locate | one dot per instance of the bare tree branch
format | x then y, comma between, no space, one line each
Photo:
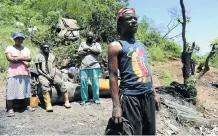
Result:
170,30
171,20
180,21
173,23
175,13
176,36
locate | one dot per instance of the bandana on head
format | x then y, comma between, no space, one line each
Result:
122,11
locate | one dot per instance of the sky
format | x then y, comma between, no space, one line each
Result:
202,29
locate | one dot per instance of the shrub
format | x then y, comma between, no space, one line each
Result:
156,55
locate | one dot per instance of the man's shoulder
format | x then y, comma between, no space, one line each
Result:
115,47
114,44
40,54
38,58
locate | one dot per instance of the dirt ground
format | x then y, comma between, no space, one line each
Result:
89,120
79,120
92,119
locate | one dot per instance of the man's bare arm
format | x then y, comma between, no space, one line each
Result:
54,67
96,49
113,67
113,52
41,72
156,98
82,51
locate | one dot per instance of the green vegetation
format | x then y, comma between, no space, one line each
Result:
166,78
158,47
156,56
96,15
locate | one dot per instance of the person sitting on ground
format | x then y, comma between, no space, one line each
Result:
18,76
46,67
135,98
90,67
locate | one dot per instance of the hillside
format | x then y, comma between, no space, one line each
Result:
207,94
92,119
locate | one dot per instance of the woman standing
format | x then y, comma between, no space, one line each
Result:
18,76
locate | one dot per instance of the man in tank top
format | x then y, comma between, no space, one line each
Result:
135,97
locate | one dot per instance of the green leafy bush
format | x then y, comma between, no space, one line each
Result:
171,48
156,55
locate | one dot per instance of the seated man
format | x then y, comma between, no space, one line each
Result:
45,65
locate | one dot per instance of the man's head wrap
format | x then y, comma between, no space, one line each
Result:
122,11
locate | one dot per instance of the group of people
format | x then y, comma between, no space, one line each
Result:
134,100
18,76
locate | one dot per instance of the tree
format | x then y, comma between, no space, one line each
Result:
96,15
187,50
189,86
102,20
204,67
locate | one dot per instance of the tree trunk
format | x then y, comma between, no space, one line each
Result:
186,60
186,55
183,25
206,63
